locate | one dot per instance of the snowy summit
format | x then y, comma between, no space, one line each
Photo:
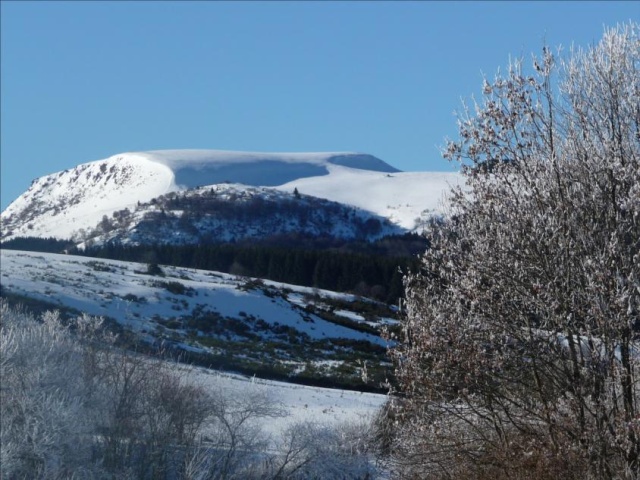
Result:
61,204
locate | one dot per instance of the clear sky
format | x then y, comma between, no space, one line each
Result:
82,81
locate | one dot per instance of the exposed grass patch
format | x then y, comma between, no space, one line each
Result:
100,266
177,288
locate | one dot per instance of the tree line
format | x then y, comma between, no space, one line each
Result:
368,275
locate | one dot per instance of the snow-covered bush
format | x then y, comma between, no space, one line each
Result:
519,354
74,405
46,428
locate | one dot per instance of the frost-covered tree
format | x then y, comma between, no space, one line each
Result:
44,421
519,353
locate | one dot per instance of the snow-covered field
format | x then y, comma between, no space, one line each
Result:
233,322
124,292
300,403
406,198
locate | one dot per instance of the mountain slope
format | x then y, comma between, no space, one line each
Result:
230,321
236,213
61,204
407,199
193,168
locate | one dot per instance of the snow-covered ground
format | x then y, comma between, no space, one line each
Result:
300,403
406,198
237,322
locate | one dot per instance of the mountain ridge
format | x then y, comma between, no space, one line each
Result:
61,204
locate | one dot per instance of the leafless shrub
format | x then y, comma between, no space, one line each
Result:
233,444
309,450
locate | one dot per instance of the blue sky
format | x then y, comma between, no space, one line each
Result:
81,81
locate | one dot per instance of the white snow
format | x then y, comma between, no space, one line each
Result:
300,403
406,198
78,198
72,281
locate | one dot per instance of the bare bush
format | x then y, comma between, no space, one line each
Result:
314,451
146,415
234,445
519,354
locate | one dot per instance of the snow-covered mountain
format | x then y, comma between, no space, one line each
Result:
62,204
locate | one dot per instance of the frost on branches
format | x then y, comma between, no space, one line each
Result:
74,405
520,349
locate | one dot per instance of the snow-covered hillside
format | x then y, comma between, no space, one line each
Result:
407,199
236,213
61,204
249,323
